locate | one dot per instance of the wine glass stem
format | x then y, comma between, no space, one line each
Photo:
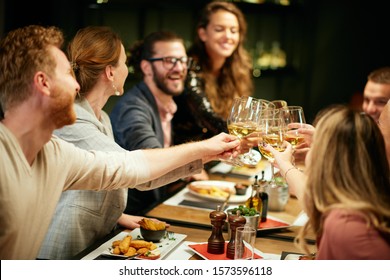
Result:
272,174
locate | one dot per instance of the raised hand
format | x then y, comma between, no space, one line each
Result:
220,146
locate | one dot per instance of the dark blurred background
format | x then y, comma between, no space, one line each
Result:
330,45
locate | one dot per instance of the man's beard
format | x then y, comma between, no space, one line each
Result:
62,111
159,81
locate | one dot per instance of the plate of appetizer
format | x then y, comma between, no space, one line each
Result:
217,191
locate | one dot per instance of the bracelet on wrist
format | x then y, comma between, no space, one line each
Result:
288,170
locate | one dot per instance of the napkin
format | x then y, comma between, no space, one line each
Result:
201,249
270,223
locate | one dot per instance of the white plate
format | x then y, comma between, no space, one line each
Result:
293,256
222,185
164,246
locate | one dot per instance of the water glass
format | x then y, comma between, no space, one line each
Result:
244,243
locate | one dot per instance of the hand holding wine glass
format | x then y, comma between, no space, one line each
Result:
242,123
272,131
294,119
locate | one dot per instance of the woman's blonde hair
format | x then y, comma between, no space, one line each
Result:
348,170
91,50
235,78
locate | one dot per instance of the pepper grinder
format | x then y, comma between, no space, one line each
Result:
216,242
235,221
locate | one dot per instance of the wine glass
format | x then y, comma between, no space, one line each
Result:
293,115
248,141
279,104
272,130
236,113
242,123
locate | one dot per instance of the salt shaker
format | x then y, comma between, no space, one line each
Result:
235,221
216,242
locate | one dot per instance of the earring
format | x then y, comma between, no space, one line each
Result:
116,92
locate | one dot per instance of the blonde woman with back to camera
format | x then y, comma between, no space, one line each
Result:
345,189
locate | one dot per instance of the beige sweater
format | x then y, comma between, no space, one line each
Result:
29,194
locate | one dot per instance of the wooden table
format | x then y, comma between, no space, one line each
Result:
199,218
195,223
190,217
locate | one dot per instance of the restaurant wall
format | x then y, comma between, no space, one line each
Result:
331,45
348,40
2,17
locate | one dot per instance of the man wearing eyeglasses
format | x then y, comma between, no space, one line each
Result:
142,117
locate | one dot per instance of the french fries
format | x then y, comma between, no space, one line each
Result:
129,247
151,224
211,190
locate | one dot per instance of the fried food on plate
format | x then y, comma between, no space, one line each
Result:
125,244
211,190
151,224
131,252
129,247
141,244
116,250
142,251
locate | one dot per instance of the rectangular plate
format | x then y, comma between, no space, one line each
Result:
164,246
218,184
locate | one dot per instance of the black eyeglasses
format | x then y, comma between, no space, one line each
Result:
169,61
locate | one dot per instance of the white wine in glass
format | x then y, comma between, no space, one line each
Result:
272,131
293,118
234,122
242,129
242,123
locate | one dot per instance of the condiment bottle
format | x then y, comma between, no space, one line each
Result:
216,242
254,201
264,198
235,221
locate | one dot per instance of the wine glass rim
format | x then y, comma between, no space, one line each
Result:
292,107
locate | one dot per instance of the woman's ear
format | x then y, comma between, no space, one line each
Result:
109,71
202,34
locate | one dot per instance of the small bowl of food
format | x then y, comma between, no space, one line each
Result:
152,230
152,235
241,189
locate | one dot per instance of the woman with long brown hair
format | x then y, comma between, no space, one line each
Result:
220,72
